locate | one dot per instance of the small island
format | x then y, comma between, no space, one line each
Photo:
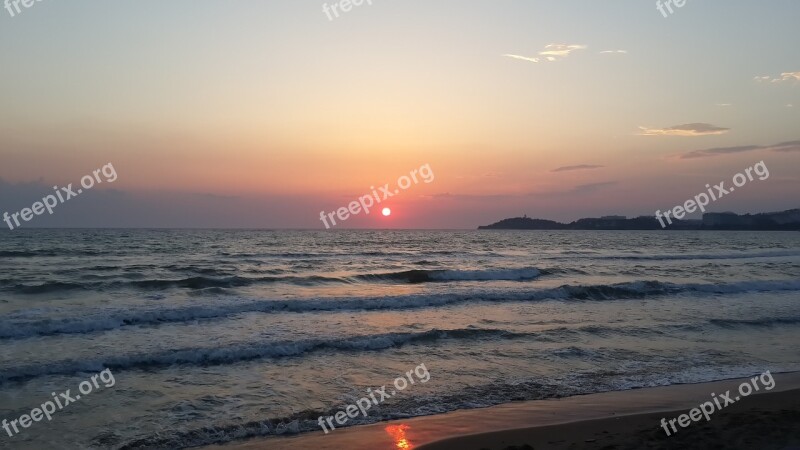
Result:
778,221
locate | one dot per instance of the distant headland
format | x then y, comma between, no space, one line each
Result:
785,220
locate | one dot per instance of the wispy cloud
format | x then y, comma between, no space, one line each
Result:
784,77
606,52
578,167
525,58
686,130
724,105
551,53
719,151
783,147
561,50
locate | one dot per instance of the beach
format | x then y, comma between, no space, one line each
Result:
612,420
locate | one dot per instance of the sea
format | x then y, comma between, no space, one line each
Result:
215,336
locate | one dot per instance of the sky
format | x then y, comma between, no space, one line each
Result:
263,114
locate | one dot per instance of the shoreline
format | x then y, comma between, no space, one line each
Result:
498,427
767,422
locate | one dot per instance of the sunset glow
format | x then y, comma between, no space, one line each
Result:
524,117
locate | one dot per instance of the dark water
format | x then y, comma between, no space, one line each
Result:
214,336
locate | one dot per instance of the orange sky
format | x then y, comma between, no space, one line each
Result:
281,106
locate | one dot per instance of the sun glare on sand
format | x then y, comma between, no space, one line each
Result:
387,212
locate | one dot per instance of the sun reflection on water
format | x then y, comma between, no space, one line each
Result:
398,434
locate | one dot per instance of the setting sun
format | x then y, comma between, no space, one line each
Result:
387,212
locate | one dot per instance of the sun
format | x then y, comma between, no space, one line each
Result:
387,212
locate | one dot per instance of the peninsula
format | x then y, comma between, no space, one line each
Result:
785,220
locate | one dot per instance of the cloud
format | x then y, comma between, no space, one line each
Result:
561,50
551,53
783,147
785,76
719,151
578,167
524,58
108,207
686,130
605,52
724,104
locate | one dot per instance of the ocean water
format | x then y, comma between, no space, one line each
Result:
215,336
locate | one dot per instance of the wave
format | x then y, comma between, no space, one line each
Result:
422,276
763,322
491,393
46,288
48,253
207,280
703,256
202,282
110,319
23,254
192,283
245,352
327,255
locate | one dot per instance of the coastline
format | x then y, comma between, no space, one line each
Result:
788,220
622,415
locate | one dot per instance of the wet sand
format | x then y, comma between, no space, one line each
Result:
609,421
764,422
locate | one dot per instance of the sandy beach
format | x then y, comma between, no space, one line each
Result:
612,420
769,421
